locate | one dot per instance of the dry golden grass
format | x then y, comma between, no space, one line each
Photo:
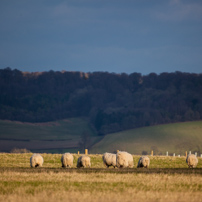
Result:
19,182
99,187
98,196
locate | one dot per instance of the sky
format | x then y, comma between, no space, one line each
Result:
120,36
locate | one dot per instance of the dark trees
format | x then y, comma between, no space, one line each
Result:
112,102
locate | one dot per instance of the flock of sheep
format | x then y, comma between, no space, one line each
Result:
120,160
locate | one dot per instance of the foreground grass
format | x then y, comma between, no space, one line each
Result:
19,182
99,186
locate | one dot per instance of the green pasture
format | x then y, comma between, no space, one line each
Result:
175,138
57,130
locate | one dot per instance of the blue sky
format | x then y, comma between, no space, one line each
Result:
101,35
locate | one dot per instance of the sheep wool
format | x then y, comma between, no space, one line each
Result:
144,162
36,160
124,160
83,161
67,160
192,161
109,159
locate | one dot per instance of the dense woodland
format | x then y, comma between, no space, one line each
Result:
111,102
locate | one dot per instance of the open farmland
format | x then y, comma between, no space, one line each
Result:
65,135
167,179
174,138
54,137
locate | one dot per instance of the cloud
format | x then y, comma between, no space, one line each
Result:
177,10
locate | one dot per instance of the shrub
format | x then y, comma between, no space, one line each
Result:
19,151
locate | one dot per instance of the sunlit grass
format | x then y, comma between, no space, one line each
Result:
114,186
175,138
53,161
20,182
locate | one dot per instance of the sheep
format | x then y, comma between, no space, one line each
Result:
124,160
109,159
67,160
83,161
144,161
36,160
192,161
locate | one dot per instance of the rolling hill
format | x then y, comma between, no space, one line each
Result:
174,138
65,136
57,136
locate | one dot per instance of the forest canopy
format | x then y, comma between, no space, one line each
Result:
111,102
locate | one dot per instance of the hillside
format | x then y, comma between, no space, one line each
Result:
174,138
58,136
111,102
72,135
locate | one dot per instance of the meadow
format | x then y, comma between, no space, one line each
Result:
167,179
50,137
174,138
65,135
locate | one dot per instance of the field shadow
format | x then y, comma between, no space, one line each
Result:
105,170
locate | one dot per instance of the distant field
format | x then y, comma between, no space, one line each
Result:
174,138
168,179
64,135
50,136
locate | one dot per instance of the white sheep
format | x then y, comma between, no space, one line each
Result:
192,161
67,160
109,159
83,161
36,160
124,160
144,161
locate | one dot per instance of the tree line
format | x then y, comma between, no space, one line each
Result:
111,102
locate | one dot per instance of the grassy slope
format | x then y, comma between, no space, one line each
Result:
59,134
59,130
65,134
174,138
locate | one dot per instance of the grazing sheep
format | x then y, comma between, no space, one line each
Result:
109,159
67,160
144,161
83,161
36,160
192,161
124,160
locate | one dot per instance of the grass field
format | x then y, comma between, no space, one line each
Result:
167,179
174,138
64,135
52,137
57,130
